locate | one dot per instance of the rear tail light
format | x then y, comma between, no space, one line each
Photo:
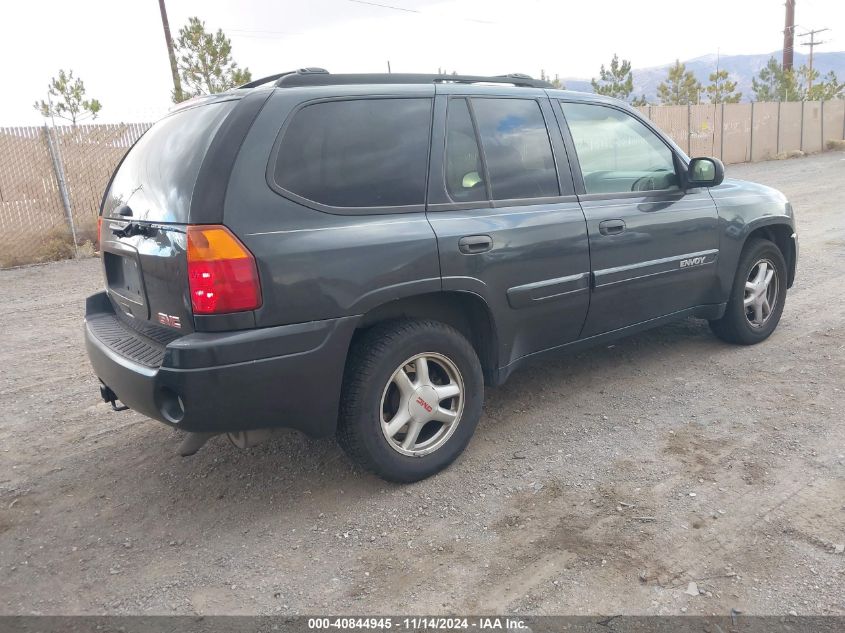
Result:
99,229
222,275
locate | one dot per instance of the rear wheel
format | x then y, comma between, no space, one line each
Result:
411,399
757,297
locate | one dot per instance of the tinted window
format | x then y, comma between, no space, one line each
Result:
617,152
464,171
516,148
359,153
157,177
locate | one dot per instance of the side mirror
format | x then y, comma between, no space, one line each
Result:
705,172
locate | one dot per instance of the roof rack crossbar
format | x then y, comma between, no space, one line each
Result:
321,77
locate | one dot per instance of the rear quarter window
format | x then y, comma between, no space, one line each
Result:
156,178
354,154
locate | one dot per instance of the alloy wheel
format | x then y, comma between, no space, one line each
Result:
761,293
422,403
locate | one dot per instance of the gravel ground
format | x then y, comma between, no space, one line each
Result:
605,482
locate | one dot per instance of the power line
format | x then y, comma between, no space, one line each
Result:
405,9
262,31
263,36
384,6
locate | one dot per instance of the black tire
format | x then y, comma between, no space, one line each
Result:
373,359
734,326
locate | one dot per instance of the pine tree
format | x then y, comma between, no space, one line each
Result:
67,100
773,83
722,89
680,88
617,82
556,82
765,84
826,89
205,61
804,78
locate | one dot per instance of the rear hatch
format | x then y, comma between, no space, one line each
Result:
144,216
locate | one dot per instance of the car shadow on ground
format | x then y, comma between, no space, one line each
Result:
289,472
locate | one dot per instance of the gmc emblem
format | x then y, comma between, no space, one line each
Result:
169,320
424,404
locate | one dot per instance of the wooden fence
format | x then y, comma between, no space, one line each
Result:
749,132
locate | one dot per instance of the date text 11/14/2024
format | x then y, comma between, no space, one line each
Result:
417,623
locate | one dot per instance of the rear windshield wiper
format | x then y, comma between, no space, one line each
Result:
132,228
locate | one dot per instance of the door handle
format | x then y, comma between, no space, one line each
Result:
611,227
474,244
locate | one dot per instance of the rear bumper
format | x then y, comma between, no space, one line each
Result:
285,376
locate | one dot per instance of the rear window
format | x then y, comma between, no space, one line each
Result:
157,177
464,170
517,148
357,153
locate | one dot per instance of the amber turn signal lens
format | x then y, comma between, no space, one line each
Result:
222,274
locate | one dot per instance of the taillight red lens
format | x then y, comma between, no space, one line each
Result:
222,275
99,230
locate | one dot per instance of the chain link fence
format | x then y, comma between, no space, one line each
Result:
52,179
51,184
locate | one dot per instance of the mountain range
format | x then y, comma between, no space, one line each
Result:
741,68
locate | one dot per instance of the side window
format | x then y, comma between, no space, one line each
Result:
357,153
464,171
617,153
516,147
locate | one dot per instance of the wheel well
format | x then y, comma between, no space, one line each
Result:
466,312
781,235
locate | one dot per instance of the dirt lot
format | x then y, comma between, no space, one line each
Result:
602,483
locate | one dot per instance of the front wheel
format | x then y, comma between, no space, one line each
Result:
757,297
411,399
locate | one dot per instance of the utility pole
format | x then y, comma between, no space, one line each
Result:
174,70
718,93
789,35
812,44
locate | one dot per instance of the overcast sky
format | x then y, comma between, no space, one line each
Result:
118,48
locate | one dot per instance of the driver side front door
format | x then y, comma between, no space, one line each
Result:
653,245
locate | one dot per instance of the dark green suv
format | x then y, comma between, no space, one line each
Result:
361,254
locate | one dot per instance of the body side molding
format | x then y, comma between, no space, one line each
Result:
676,263
547,290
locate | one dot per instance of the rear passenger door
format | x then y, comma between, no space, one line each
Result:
509,227
653,244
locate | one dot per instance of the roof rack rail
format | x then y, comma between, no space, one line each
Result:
275,78
322,77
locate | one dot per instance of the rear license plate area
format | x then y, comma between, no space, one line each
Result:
123,277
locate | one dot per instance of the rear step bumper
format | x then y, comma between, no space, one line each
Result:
285,376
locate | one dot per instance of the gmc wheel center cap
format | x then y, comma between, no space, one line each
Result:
423,403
